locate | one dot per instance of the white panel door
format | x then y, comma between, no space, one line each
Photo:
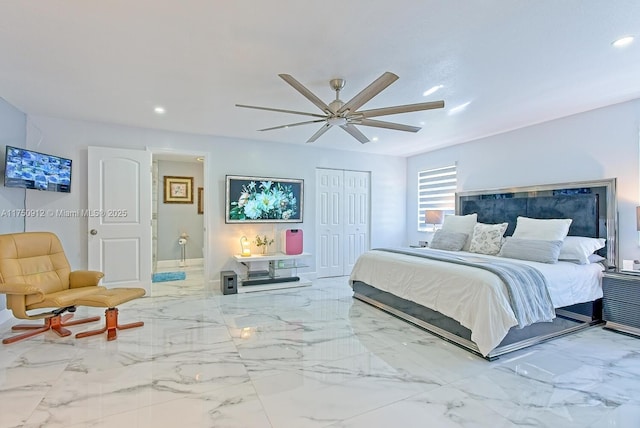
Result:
356,217
343,220
329,227
119,203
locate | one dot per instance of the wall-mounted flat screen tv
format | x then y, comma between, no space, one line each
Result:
264,200
33,170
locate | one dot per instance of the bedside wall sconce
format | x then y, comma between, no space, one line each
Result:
245,246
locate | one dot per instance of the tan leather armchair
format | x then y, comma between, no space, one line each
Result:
35,274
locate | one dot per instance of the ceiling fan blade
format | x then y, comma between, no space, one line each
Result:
401,109
305,92
292,124
355,133
319,132
280,110
369,92
388,125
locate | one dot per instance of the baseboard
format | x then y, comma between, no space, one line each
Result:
175,264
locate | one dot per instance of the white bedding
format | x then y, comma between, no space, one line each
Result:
465,293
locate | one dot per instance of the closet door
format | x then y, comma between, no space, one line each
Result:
343,220
329,227
356,217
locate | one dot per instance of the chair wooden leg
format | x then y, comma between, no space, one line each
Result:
55,323
28,327
59,322
111,326
33,331
64,322
52,323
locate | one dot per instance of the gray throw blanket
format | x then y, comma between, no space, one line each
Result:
527,287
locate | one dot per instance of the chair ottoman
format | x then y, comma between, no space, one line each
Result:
110,298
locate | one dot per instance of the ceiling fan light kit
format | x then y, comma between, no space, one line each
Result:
346,115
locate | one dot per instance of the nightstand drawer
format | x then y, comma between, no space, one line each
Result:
622,313
622,288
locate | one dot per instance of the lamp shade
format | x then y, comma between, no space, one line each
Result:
433,216
245,247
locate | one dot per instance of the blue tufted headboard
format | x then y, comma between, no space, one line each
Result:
582,209
590,205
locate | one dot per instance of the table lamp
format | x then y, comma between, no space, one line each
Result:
433,217
245,246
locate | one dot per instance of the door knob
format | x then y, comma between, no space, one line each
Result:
93,232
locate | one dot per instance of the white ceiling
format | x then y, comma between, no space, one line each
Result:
518,62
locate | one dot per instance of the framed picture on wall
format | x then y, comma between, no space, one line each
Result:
178,190
200,200
264,200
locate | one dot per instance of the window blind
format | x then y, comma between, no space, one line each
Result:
436,191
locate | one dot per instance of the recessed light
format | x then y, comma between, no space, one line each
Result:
374,139
623,41
159,110
459,108
432,90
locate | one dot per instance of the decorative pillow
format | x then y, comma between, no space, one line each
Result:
451,241
534,250
595,258
487,238
577,249
461,224
544,230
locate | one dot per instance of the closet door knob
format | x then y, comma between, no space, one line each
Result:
93,232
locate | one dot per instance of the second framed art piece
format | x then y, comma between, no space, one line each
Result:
178,190
200,200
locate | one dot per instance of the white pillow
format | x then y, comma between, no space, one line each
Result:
595,258
461,224
487,238
578,248
542,230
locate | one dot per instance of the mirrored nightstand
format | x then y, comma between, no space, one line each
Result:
621,301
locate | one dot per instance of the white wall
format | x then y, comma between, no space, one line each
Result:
224,156
598,144
12,133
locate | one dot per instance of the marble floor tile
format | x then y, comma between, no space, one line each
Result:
304,357
443,407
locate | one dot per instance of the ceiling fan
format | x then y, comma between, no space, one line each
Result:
346,115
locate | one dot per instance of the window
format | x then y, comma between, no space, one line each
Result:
436,191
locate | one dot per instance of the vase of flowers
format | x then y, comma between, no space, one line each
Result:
263,242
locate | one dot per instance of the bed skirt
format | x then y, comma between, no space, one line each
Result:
568,320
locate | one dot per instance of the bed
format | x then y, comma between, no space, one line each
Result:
461,297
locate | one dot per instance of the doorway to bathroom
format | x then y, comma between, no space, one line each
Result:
178,217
